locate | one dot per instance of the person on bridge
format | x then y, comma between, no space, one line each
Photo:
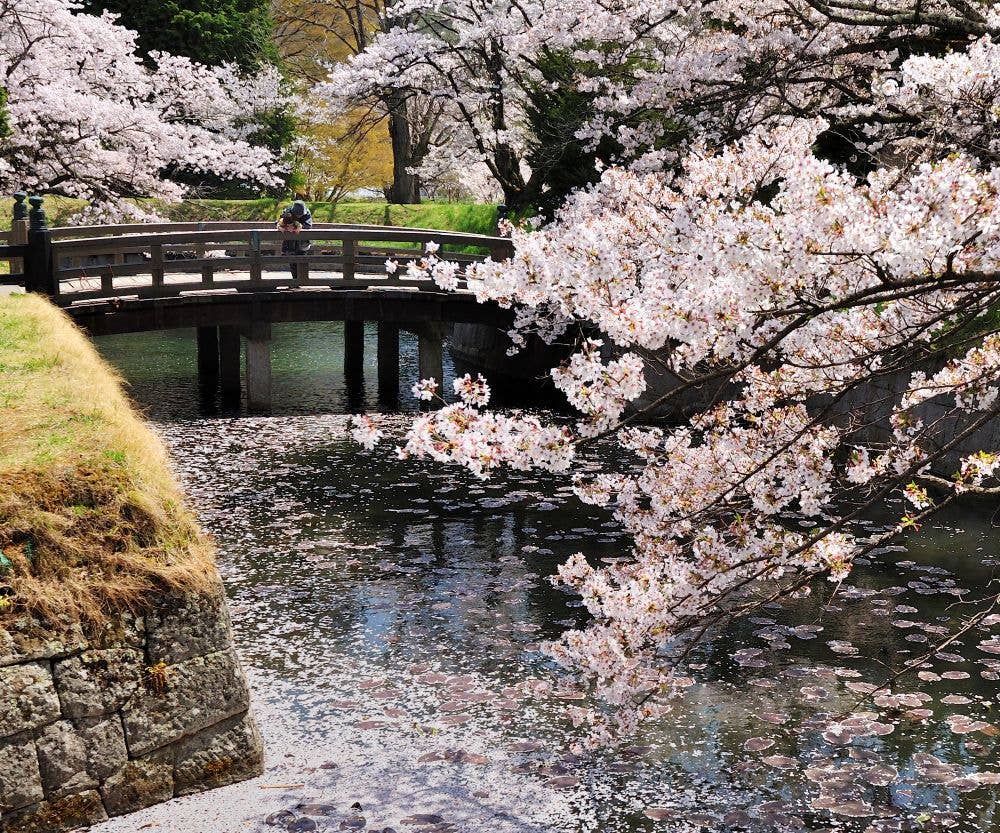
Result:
292,220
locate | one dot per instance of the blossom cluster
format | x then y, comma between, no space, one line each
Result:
776,309
91,120
769,289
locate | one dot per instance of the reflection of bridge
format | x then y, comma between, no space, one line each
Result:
231,280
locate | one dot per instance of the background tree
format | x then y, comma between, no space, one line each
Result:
312,34
516,95
558,108
334,157
463,57
211,32
650,75
237,33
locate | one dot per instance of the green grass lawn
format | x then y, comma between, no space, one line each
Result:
465,217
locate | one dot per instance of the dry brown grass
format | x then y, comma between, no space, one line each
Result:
91,519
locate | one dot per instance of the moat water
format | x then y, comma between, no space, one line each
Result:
389,613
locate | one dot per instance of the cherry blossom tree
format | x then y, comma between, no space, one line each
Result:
88,119
464,58
656,76
838,327
313,33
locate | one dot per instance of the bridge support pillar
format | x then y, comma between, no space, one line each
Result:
354,351
259,367
229,366
354,364
388,364
430,358
208,354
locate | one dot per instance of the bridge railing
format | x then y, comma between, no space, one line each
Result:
84,263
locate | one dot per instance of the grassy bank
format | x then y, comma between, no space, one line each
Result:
91,519
466,217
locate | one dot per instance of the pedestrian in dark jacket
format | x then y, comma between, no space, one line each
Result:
292,220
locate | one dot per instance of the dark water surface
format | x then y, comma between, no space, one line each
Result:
399,597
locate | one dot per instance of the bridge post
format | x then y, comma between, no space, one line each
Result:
39,267
229,365
354,352
19,229
388,364
259,367
256,264
349,253
430,359
500,250
208,354
156,270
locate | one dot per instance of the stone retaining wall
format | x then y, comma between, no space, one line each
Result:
154,707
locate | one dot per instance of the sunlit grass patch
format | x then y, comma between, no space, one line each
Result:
471,218
91,519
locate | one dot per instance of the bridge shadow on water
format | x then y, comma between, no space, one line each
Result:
308,374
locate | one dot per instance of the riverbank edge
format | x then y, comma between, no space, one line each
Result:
134,695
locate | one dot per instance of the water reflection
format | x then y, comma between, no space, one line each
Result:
308,371
396,598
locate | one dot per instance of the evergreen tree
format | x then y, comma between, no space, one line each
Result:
208,31
557,110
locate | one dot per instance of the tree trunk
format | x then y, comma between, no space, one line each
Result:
405,186
517,194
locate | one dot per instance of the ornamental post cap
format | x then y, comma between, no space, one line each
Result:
20,209
37,217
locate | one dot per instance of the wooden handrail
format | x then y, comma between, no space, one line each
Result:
78,232
355,233
64,232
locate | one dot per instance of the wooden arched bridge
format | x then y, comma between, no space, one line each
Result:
233,280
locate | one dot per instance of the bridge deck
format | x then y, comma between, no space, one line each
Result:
85,289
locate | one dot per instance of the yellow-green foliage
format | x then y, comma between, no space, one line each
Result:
91,519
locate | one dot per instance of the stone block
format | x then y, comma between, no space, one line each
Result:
28,698
78,810
104,741
136,785
99,682
20,781
30,639
124,630
198,693
62,760
188,625
222,754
